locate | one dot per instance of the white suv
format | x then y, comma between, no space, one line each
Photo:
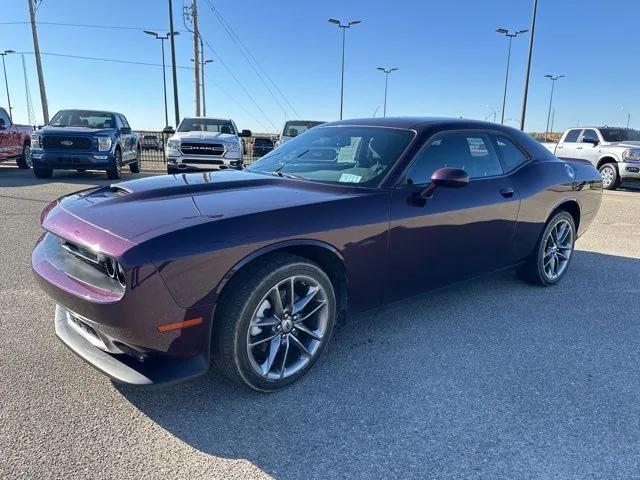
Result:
203,143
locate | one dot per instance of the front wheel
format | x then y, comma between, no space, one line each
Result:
275,319
550,260
42,172
114,172
24,161
135,166
610,176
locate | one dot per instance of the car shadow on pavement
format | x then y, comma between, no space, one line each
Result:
490,378
14,177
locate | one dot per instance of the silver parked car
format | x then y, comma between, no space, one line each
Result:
615,152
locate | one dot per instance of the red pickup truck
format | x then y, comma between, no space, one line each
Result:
15,141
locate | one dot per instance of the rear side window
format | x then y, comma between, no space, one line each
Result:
512,157
572,136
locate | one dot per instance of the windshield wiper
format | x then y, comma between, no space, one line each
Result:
278,173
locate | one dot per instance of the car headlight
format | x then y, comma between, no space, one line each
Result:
233,147
104,144
631,155
173,144
35,141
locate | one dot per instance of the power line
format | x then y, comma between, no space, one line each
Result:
241,45
237,80
85,25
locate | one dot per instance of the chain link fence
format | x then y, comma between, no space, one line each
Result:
152,145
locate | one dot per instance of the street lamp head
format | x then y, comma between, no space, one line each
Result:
381,68
519,32
149,32
333,20
354,22
174,34
393,69
7,52
504,31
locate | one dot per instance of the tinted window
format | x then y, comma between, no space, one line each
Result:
512,156
590,134
620,134
124,121
347,155
83,118
295,128
206,125
572,136
5,117
472,153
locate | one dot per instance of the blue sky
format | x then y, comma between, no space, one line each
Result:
450,60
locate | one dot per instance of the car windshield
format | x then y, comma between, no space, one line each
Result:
150,137
620,135
206,125
348,155
83,118
295,128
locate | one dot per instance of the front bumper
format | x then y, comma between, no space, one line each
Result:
629,170
118,333
71,160
186,163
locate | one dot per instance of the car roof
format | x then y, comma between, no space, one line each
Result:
416,123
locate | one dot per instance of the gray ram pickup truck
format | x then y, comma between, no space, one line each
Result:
615,152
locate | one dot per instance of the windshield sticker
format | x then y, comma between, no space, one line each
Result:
350,178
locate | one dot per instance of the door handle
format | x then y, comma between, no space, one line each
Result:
579,148
507,192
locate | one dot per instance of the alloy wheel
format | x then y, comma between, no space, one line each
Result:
558,247
608,175
288,327
26,154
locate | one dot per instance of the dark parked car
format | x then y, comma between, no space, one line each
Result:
15,141
262,146
154,277
85,140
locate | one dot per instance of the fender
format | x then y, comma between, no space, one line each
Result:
271,248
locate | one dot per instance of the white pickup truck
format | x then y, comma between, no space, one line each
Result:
615,152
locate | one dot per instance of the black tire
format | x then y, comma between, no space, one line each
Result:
115,171
610,176
24,160
533,271
135,166
42,172
239,302
172,170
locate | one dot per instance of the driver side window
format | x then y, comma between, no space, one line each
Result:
471,152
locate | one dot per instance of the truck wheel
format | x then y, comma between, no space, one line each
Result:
115,171
24,161
610,176
135,166
42,172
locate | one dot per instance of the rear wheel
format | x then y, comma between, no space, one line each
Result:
24,161
114,172
42,172
550,260
135,166
610,176
274,321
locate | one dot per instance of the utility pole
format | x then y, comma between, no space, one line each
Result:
196,52
36,49
526,80
6,82
203,62
27,94
176,108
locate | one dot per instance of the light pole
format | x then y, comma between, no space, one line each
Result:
6,82
493,112
553,79
164,76
386,71
510,36
344,30
530,55
628,115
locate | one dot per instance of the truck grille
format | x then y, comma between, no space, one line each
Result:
50,142
215,149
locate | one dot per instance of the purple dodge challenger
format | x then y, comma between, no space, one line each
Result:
156,278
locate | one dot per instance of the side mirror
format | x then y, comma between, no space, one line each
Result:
168,130
245,133
592,141
125,130
446,177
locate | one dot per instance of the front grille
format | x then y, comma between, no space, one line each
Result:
215,149
198,161
53,142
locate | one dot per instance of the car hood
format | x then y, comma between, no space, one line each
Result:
204,136
626,144
144,208
77,130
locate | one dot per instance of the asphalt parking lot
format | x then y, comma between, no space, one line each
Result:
490,379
